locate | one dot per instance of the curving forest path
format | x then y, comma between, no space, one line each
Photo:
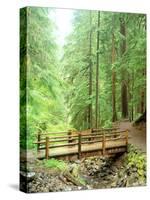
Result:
137,133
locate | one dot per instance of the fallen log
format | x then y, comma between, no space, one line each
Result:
142,118
71,178
63,179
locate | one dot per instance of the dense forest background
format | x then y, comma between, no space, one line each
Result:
99,79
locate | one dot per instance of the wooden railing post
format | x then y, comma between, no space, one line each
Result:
90,133
38,139
47,147
104,144
79,145
69,136
127,133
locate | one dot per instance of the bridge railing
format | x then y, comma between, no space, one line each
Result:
49,141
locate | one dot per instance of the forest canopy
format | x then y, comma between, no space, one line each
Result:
99,78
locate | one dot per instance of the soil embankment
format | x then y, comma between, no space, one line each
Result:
125,170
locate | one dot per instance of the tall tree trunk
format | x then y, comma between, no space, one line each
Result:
132,95
142,107
90,75
114,117
97,72
143,96
124,98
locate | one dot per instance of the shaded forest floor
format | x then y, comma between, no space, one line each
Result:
137,134
126,170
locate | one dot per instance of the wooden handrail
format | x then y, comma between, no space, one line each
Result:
75,134
104,129
62,137
93,129
90,142
77,143
113,132
79,138
39,142
65,140
101,134
87,136
60,145
62,132
48,133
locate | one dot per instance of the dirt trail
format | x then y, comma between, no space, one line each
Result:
138,134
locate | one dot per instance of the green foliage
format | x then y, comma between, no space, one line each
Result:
63,167
54,163
41,86
138,160
54,91
76,65
108,124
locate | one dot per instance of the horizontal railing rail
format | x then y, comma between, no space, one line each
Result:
78,139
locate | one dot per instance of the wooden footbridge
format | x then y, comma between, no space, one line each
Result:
75,145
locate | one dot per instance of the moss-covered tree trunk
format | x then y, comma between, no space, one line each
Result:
114,114
124,92
90,74
97,72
